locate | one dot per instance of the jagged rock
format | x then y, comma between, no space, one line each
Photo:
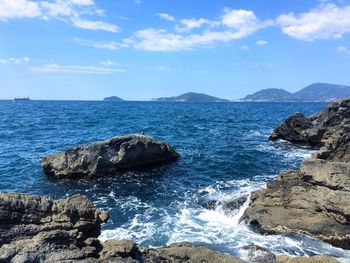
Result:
310,131
257,254
38,229
227,206
185,252
314,204
313,259
336,145
109,157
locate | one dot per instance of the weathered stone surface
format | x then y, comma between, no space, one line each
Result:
314,205
311,131
314,259
109,157
38,229
336,145
185,252
257,254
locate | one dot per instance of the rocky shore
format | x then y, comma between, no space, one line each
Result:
39,229
315,200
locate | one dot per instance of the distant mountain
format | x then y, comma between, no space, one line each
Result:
270,95
322,92
113,98
191,97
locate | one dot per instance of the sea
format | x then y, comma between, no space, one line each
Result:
225,155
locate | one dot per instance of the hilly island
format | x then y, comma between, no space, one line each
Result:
318,92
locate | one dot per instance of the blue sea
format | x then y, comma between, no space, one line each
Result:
225,155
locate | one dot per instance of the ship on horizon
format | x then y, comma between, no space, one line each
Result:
22,98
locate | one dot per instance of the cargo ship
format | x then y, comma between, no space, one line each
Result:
22,98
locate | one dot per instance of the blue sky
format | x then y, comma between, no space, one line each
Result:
143,49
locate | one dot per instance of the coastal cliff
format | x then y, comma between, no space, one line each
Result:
314,200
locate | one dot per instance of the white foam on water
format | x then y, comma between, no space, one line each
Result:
218,228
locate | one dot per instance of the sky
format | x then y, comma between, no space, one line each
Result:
144,49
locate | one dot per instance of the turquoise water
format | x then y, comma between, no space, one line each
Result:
225,155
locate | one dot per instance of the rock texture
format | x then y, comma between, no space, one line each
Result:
314,130
38,229
109,157
257,254
35,229
315,200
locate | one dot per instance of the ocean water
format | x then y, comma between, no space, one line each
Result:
225,155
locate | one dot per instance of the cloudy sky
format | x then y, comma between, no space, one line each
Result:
142,49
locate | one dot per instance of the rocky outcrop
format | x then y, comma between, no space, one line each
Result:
311,131
315,200
301,203
38,229
109,157
257,254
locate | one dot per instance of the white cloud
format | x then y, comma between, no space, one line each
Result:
76,69
326,21
82,2
261,42
235,24
95,25
343,49
112,45
70,10
17,61
165,16
18,9
189,24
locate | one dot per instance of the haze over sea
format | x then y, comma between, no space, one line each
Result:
225,154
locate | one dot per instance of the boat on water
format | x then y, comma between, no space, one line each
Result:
22,98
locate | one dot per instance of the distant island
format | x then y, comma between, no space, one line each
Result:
113,98
191,97
318,92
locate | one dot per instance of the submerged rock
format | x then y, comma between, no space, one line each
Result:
227,206
310,131
109,157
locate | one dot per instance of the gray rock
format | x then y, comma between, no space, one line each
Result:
109,157
185,252
311,204
39,229
310,131
257,254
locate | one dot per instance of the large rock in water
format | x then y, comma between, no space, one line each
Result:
109,157
310,131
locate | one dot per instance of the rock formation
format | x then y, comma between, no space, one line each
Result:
38,229
109,157
316,199
314,130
